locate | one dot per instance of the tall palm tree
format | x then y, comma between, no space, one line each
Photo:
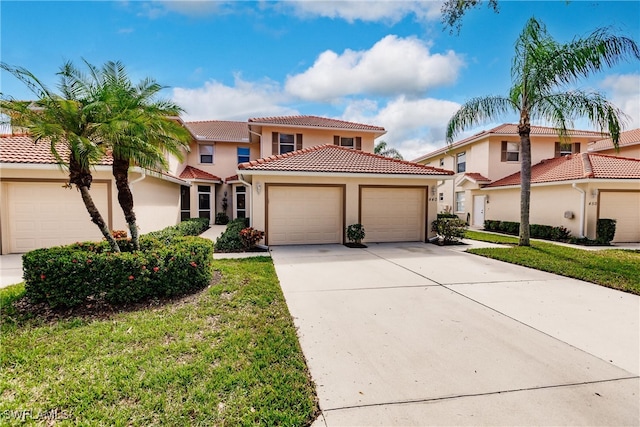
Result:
135,127
541,69
382,149
67,124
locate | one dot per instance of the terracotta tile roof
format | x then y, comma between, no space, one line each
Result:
477,177
190,173
23,149
231,178
630,137
218,130
336,159
509,129
314,122
577,166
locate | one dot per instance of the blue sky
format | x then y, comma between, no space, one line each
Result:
385,63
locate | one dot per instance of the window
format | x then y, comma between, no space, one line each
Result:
287,143
241,201
566,149
348,141
204,201
185,202
461,162
206,153
441,197
442,161
243,154
459,201
510,152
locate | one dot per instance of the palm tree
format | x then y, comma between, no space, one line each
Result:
541,68
135,127
382,150
67,123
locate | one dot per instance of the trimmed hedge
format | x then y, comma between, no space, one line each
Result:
229,240
605,230
450,229
66,276
189,227
536,231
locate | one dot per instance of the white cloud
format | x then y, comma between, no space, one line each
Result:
414,126
624,91
216,101
393,65
390,11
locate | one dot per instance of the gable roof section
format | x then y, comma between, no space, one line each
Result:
23,149
315,122
219,130
630,137
191,173
508,129
336,159
576,167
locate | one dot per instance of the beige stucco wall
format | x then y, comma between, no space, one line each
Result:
631,151
258,209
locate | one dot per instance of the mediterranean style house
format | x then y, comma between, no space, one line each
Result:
574,182
301,179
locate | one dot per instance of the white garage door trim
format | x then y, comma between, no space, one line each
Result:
54,216
624,207
393,213
304,214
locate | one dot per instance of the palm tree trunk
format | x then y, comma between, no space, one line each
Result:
120,171
524,130
82,181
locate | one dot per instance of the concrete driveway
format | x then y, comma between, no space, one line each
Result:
416,334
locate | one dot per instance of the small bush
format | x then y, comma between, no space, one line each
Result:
229,240
250,237
222,218
443,215
119,234
189,227
449,230
605,230
355,233
537,231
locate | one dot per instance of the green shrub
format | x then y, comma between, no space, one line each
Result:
250,237
449,230
443,215
222,218
189,227
355,233
67,276
537,231
605,230
229,240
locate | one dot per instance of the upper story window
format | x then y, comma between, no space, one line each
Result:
348,141
285,142
244,154
510,152
461,162
206,153
566,149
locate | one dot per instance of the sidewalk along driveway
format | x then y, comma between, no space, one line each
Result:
416,334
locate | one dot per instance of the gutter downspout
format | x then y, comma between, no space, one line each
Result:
241,179
583,196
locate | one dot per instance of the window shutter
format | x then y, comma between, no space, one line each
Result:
576,148
336,140
274,143
503,155
358,143
557,154
299,141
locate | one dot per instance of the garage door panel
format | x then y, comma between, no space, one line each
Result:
44,214
393,214
304,215
624,207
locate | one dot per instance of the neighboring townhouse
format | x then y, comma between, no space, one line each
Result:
490,155
628,145
301,179
38,210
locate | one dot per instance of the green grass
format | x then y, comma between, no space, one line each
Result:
228,355
614,268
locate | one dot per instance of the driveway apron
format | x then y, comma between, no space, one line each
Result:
416,334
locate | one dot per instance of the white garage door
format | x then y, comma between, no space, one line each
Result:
46,214
393,214
304,215
624,207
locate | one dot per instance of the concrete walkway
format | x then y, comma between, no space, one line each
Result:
416,334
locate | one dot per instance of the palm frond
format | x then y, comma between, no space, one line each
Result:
477,111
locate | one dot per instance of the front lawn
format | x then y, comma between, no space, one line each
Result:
614,268
227,355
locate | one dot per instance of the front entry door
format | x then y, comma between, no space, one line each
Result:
478,211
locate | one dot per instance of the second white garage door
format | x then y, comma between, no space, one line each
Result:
44,214
393,214
624,207
304,215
